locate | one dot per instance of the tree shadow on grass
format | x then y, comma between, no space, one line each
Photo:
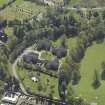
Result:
103,75
75,82
96,84
99,41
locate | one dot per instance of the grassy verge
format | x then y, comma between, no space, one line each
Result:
92,60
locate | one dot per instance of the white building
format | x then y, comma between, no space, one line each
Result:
11,97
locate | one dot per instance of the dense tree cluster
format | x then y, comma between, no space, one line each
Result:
52,27
53,64
44,45
31,58
4,74
60,52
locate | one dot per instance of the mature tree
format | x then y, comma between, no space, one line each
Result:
19,32
52,65
63,41
77,53
70,93
44,45
100,31
60,51
76,77
62,85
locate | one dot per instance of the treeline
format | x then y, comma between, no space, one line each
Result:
3,68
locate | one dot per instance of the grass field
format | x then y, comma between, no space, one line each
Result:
29,84
92,60
21,10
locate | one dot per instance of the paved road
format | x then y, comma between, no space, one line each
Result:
84,9
26,51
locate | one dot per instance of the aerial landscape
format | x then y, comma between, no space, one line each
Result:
52,52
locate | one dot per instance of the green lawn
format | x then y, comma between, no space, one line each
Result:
92,60
29,84
2,2
21,10
46,55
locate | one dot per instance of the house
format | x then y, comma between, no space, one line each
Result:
10,97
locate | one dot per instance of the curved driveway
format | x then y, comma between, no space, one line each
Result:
26,51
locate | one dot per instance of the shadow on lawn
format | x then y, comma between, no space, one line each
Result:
96,84
76,81
103,75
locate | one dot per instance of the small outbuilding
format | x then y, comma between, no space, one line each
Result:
34,79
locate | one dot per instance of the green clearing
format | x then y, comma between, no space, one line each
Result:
70,42
92,60
46,55
85,3
21,10
33,86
